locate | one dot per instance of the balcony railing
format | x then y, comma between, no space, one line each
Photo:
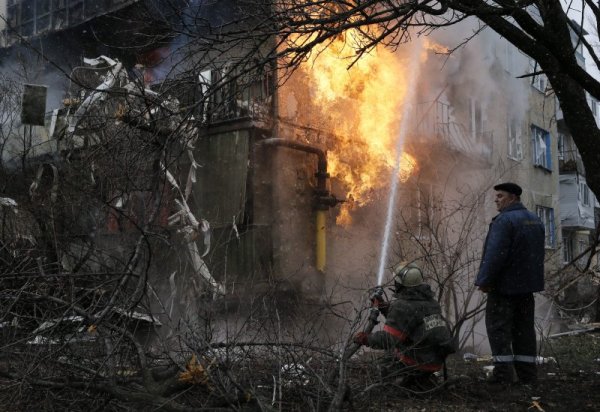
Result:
432,121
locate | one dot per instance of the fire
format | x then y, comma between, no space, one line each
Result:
362,105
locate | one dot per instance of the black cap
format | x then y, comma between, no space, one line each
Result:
513,188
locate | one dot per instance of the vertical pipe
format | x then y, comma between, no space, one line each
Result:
321,192
321,250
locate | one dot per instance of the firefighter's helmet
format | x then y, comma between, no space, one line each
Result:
407,275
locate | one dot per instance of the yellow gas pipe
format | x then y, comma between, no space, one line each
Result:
321,251
324,200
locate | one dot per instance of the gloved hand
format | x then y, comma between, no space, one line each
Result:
361,338
378,302
377,297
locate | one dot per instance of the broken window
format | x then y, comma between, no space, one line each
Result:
542,149
546,214
515,146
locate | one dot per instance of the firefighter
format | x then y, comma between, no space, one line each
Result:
415,335
511,270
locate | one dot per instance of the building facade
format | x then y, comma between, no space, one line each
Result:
476,123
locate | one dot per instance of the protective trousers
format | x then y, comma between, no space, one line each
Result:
509,320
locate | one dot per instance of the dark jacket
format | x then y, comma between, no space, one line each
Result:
513,254
415,331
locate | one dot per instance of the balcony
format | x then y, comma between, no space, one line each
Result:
577,203
570,161
433,123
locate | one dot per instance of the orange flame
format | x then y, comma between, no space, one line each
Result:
362,105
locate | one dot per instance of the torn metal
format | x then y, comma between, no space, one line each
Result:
144,109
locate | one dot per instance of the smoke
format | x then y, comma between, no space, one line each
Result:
482,72
197,25
22,65
478,84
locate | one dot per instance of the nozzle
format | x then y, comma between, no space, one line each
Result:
377,293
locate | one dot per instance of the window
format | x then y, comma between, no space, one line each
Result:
542,153
476,119
584,194
583,245
515,147
546,214
426,209
561,146
539,81
567,249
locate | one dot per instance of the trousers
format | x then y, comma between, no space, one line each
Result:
509,321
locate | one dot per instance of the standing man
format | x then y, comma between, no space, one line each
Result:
511,270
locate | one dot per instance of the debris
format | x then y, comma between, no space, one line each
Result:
294,374
137,316
50,323
7,201
540,360
194,372
536,404
471,357
589,328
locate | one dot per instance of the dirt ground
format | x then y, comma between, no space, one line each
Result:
570,381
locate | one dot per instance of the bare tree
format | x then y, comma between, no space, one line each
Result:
81,316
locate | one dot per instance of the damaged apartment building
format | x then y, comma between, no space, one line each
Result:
217,195
243,176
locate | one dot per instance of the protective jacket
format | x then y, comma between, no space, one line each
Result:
415,331
513,254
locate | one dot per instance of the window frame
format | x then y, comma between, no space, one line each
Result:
541,137
546,215
584,194
561,144
515,139
539,81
